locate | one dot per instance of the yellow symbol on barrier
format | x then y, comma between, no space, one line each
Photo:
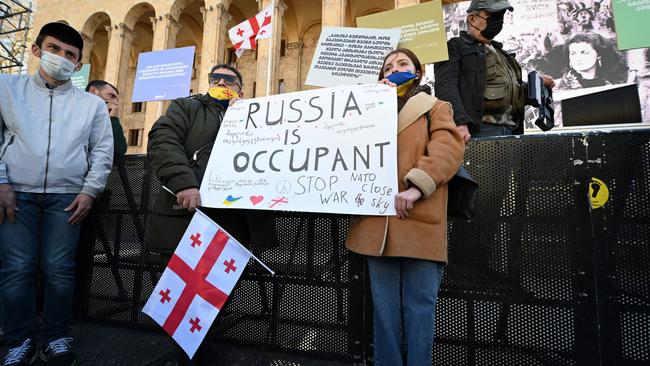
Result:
598,193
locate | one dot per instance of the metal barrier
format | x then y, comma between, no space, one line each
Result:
539,277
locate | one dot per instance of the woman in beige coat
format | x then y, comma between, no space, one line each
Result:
406,254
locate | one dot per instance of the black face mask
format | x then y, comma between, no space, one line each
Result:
494,26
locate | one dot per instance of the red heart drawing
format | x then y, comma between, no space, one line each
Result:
256,199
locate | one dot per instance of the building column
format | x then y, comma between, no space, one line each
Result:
120,38
298,47
334,13
405,3
165,30
263,59
88,47
215,22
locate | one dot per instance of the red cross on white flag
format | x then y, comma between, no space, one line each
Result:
244,34
196,282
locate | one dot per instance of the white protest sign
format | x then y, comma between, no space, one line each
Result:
533,14
349,56
326,150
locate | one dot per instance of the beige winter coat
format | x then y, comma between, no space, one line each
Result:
427,161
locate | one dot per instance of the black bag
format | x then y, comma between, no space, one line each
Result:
462,193
541,97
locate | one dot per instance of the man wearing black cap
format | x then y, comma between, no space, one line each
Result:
482,82
56,150
179,148
485,88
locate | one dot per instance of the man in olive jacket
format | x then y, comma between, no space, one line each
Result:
482,82
179,148
180,143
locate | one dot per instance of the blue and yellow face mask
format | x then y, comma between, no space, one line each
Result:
222,96
404,80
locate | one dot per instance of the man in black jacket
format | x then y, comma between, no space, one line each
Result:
180,143
485,88
179,148
482,82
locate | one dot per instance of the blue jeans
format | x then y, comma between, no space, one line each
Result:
404,295
41,231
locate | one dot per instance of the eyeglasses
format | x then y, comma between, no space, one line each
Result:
230,80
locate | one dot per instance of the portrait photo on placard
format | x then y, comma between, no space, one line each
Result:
575,42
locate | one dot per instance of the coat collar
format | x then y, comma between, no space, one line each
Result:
414,108
471,40
40,82
207,101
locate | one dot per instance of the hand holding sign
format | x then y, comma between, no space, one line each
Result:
329,150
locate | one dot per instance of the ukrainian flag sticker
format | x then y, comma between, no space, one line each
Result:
230,200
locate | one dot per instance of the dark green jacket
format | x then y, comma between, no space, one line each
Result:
119,141
175,140
188,128
179,148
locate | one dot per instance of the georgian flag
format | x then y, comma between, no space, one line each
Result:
244,34
196,283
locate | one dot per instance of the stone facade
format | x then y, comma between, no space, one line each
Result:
116,32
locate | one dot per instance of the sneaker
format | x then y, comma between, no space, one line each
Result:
21,354
58,353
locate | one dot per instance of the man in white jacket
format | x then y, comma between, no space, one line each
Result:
56,151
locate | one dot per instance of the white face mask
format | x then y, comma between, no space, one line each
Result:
56,66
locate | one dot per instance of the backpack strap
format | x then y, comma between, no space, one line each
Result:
414,108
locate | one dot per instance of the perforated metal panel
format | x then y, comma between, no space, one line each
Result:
622,235
537,278
306,307
121,274
532,274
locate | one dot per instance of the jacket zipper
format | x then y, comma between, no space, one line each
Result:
198,153
49,140
11,141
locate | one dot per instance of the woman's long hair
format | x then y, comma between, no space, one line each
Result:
415,87
611,67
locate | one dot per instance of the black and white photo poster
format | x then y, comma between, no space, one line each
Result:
572,41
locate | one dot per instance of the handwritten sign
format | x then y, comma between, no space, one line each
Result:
533,14
422,29
350,56
163,75
327,150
